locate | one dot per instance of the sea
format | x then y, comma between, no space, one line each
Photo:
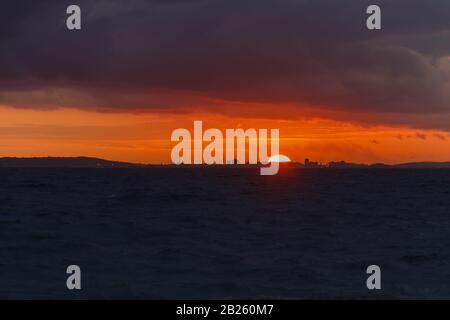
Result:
224,233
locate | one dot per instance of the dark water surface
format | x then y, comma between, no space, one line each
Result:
224,233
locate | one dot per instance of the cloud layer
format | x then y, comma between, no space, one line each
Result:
164,55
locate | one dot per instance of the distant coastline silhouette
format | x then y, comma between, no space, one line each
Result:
92,162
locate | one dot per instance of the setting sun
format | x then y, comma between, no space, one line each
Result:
279,158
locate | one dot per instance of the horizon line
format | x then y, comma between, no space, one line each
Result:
306,164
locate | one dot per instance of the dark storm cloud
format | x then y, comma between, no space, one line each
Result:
314,52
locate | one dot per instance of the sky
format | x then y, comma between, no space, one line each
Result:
137,70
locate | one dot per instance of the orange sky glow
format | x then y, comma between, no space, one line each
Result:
145,137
